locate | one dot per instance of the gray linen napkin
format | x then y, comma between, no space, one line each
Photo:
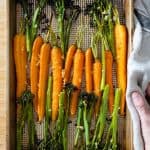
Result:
139,65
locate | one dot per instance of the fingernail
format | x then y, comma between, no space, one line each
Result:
137,99
135,96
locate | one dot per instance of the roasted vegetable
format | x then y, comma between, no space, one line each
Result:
34,69
111,139
89,70
69,62
121,60
25,115
57,63
66,13
32,22
109,78
43,78
20,58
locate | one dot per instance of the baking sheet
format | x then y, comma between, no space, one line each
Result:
86,44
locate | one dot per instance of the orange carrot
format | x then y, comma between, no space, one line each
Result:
43,78
89,70
20,57
77,79
78,68
97,73
34,69
74,101
109,80
121,60
57,63
68,62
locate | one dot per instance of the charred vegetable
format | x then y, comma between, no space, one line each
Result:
101,120
66,13
111,139
25,101
85,111
32,22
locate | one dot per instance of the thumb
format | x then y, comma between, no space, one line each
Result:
139,103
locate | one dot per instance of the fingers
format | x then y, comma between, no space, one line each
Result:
139,103
144,114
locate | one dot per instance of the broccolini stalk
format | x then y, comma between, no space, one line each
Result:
85,111
111,139
68,90
56,142
66,12
103,112
60,121
86,125
48,108
32,23
103,67
26,116
101,121
79,127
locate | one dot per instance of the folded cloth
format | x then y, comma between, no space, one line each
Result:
139,65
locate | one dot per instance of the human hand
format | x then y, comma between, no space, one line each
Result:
138,78
143,109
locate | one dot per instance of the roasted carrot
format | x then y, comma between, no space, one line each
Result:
20,58
121,60
78,68
77,78
34,69
69,62
43,78
97,70
57,63
74,101
97,73
109,80
89,70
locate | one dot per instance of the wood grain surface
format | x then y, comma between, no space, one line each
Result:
129,23
4,86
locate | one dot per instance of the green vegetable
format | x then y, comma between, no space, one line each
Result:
68,90
32,23
48,107
111,139
25,115
102,15
79,127
66,13
101,121
57,136
86,125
